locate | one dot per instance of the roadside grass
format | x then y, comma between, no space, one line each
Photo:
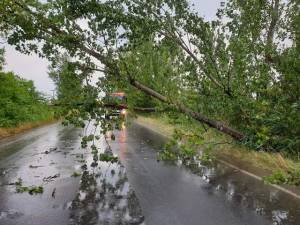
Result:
10,131
273,167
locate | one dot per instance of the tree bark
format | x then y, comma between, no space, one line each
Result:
142,109
195,115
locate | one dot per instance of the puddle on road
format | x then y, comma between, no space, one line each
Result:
244,192
105,197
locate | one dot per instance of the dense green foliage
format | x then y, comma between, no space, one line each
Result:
77,100
291,177
68,83
240,78
242,68
20,102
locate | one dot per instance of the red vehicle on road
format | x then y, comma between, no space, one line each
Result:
118,102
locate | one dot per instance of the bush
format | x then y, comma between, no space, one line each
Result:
20,102
291,177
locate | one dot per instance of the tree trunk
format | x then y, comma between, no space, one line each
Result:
195,115
181,107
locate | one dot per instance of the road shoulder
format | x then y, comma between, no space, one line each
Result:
10,132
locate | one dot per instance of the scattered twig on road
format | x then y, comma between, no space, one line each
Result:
51,178
53,193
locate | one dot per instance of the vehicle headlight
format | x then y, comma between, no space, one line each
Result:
123,111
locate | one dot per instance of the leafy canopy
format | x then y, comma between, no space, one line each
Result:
242,68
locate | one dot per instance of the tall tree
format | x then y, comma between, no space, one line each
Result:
233,66
69,84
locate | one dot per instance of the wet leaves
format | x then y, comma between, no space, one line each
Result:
31,190
18,182
84,167
167,156
76,174
50,150
79,156
85,140
51,178
94,164
81,161
105,157
34,167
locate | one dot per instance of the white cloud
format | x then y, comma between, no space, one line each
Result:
30,67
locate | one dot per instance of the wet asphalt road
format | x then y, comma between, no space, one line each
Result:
106,193
197,195
49,156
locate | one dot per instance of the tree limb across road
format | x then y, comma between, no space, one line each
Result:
217,72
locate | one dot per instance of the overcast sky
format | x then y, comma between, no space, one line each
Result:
34,68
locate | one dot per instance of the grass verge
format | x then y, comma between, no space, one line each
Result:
11,131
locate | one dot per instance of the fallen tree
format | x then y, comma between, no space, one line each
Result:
51,31
195,115
227,74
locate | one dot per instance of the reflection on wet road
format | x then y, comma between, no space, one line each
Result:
197,194
100,192
105,197
48,157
